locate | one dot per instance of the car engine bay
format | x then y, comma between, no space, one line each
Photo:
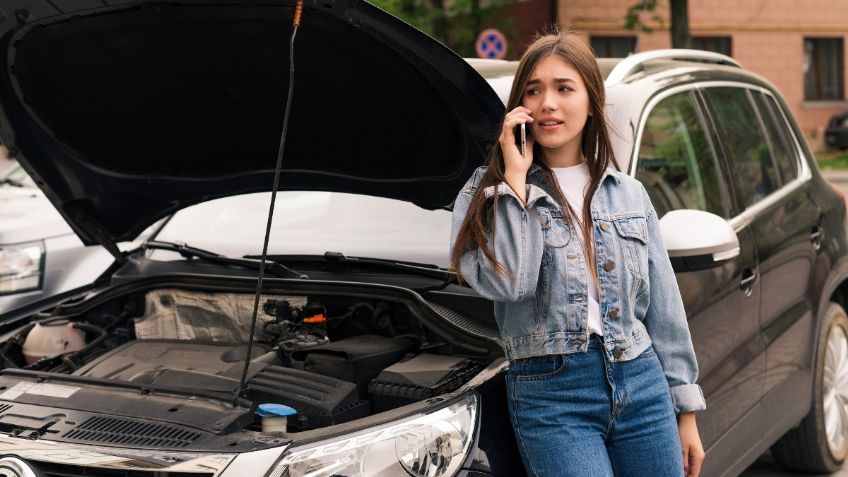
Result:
330,358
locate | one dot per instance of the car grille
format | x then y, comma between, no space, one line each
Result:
65,470
129,432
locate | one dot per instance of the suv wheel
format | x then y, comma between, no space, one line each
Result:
820,443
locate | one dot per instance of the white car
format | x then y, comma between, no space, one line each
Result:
40,255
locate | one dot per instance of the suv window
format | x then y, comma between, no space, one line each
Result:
744,144
677,163
782,148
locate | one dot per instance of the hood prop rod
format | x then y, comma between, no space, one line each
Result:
298,12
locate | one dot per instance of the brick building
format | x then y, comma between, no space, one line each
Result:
798,45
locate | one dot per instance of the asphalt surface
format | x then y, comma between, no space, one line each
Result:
765,467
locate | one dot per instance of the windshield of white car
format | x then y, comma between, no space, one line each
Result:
309,223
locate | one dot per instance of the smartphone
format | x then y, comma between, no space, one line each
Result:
523,140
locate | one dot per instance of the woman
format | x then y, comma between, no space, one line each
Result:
600,356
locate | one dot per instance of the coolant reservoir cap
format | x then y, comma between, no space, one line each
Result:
274,410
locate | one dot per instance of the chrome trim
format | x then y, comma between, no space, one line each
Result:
632,63
726,255
35,451
16,467
743,219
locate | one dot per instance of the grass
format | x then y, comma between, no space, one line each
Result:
832,160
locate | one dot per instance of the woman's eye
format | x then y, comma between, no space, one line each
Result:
564,89
532,92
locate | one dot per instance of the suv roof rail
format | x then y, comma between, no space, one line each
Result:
635,62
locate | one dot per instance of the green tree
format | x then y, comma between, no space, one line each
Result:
456,23
680,35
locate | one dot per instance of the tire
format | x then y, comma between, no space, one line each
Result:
807,447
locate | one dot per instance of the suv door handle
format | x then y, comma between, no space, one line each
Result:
816,237
746,284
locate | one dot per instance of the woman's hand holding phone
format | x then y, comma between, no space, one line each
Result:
516,165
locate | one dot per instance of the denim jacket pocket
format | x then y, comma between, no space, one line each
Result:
554,233
634,234
538,368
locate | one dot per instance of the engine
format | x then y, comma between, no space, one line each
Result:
327,359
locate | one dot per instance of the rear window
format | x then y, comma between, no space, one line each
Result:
755,173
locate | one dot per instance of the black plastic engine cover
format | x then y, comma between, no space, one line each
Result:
319,400
358,359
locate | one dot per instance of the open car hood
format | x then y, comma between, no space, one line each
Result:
125,114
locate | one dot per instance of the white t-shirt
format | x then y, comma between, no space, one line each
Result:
573,181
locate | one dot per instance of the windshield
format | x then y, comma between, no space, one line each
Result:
311,223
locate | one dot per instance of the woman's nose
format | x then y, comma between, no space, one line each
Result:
548,103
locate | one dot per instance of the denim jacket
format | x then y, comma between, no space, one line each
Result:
541,306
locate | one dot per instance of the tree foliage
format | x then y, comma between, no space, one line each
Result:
633,17
455,23
680,36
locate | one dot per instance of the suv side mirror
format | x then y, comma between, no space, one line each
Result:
697,240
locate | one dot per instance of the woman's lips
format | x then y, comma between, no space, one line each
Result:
550,125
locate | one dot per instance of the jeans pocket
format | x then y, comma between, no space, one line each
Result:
538,368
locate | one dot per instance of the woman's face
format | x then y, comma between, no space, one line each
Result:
557,97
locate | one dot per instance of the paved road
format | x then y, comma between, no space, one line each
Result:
765,466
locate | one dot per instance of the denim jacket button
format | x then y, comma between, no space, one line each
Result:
616,352
613,313
604,226
608,265
576,341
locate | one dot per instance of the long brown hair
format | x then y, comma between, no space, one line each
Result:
596,148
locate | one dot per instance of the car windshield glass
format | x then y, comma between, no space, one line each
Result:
311,223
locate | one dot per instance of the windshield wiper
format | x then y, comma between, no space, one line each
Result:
420,269
330,258
187,251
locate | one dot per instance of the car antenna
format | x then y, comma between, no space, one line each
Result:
298,12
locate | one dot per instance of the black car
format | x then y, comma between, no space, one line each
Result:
836,132
125,114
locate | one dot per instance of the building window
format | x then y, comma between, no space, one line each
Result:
823,69
613,46
717,44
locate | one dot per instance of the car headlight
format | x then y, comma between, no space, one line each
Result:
20,267
429,445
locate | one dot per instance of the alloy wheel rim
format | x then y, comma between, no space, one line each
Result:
835,387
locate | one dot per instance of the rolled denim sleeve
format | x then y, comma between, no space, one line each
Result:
517,244
666,322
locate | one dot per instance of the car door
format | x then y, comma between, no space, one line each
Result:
679,166
772,185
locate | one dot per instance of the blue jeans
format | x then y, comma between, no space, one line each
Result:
580,415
